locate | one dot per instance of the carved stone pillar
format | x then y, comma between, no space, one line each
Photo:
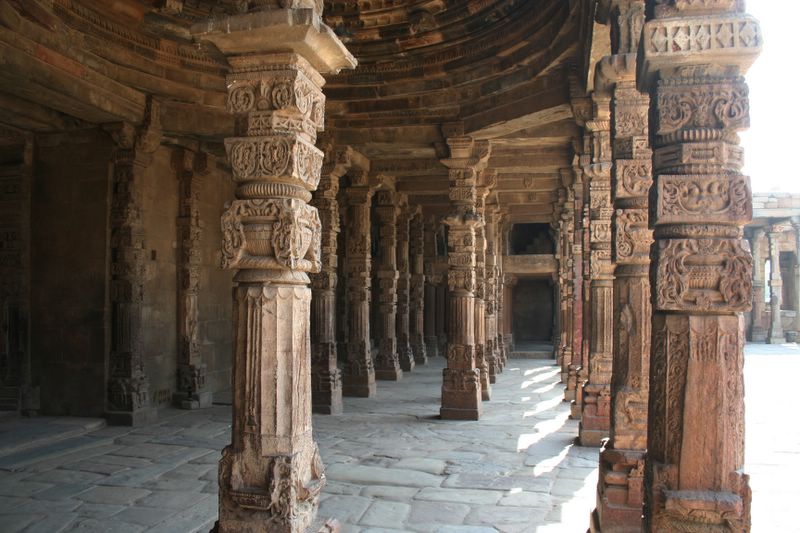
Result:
596,405
403,325
620,493
502,250
270,476
775,334
432,280
461,387
128,394
358,377
758,332
694,56
191,390
481,360
387,362
566,230
509,282
326,379
576,336
417,296
490,350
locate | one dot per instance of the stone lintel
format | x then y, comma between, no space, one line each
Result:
280,30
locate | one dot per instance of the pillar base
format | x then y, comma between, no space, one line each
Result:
574,409
758,334
432,346
140,417
620,491
406,357
591,438
776,340
451,413
395,374
359,386
201,400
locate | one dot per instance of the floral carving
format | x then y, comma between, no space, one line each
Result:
688,198
705,105
704,274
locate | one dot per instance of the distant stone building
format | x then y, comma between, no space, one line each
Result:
774,236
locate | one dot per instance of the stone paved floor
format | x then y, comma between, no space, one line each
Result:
392,466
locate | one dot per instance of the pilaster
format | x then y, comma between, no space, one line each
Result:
271,474
693,55
461,387
191,392
387,362
128,394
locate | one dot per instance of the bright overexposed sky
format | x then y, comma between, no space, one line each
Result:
771,147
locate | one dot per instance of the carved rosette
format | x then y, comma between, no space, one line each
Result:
703,275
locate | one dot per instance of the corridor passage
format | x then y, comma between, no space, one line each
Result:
391,464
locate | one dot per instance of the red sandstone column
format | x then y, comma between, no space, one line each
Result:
431,285
694,54
191,392
481,361
326,379
596,404
359,372
387,362
417,296
461,387
128,392
491,351
620,486
404,351
757,331
775,334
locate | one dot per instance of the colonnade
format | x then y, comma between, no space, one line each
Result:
663,114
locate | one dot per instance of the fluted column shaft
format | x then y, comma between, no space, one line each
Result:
702,276
359,372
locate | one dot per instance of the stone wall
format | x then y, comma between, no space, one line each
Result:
69,269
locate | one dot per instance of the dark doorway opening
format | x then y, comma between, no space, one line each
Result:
532,308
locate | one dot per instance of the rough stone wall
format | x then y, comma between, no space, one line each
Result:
69,262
